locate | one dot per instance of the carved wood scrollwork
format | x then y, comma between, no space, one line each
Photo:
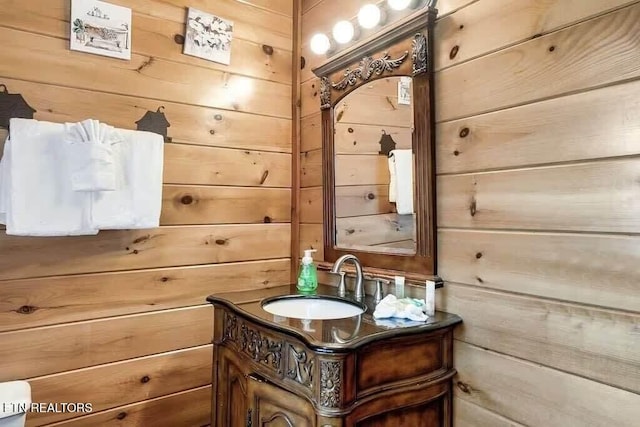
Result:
369,67
331,384
300,366
325,93
230,327
419,54
261,348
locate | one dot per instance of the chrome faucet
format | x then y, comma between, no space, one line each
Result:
342,287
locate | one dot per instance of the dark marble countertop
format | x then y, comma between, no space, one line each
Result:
335,335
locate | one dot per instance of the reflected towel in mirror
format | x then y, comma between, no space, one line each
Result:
401,180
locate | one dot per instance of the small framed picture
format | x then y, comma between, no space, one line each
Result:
101,28
208,37
404,91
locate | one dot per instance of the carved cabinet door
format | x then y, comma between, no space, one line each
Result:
230,402
271,406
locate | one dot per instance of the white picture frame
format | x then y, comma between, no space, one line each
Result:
100,28
208,36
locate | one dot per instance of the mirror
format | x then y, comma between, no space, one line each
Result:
376,102
373,162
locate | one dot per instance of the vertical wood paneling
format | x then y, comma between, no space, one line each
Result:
120,319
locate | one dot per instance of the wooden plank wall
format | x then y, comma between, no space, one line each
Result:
364,215
120,319
544,271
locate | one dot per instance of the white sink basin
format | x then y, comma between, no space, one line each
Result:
313,308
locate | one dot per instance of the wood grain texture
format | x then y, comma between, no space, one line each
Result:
591,54
80,308
29,303
311,133
467,414
311,205
365,139
143,76
362,108
599,344
311,169
601,196
95,342
261,25
188,408
583,268
154,37
124,250
311,238
191,124
559,130
361,200
374,229
533,395
472,29
310,97
250,23
357,169
191,164
123,383
224,205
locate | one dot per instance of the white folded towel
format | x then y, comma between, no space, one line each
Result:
137,200
401,182
406,308
39,199
90,155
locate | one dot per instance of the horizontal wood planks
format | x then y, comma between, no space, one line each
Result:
127,250
592,342
189,124
95,342
537,188
601,196
122,383
536,395
594,53
54,300
562,129
191,407
120,319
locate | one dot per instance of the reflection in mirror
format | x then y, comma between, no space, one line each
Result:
374,168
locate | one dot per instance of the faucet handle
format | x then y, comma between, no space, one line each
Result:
342,286
379,292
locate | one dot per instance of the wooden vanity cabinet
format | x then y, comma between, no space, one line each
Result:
266,377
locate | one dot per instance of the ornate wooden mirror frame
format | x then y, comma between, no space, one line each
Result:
405,50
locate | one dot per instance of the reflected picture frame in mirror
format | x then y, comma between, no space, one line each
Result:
404,50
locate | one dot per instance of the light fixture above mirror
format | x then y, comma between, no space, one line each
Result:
369,19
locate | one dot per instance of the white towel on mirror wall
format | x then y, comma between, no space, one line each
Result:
401,182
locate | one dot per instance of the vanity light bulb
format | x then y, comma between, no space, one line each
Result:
369,16
399,4
343,32
320,44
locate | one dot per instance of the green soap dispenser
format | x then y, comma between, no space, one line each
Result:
308,276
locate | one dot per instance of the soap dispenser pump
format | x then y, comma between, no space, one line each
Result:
308,276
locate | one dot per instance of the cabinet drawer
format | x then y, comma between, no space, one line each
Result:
399,360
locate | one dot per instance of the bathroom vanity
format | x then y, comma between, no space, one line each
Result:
273,370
